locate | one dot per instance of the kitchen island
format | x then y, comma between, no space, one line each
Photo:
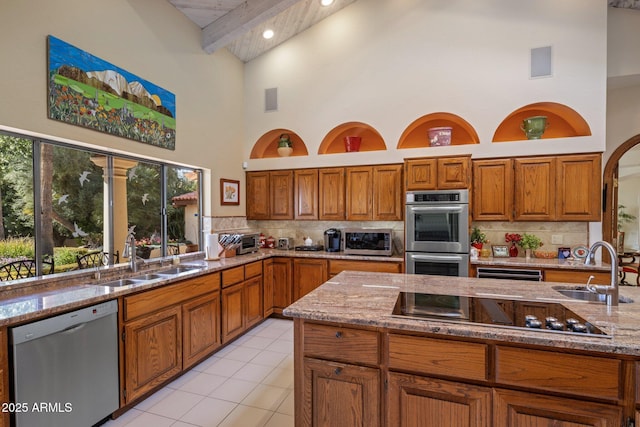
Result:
358,364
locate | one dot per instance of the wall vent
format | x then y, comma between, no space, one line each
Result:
271,99
541,62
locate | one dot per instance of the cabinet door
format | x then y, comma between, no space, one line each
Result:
331,193
253,301
514,408
387,193
308,274
492,190
306,194
579,187
267,288
258,195
201,328
453,172
338,394
424,402
282,284
421,174
233,317
535,189
359,194
281,191
153,351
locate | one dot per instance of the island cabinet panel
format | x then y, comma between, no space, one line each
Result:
492,190
201,332
420,401
153,351
339,394
387,193
306,194
590,376
331,194
535,189
341,344
515,408
438,357
282,284
308,274
579,187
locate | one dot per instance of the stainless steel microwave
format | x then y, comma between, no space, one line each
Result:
367,241
250,243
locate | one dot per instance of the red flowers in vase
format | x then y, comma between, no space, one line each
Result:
513,238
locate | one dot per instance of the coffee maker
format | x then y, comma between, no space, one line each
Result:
332,240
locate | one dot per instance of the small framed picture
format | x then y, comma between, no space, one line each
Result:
500,251
564,253
229,192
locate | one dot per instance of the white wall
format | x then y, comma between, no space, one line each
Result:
149,38
387,63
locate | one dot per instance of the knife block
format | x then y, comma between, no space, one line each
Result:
228,253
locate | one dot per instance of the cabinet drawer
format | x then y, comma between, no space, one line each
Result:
577,276
253,269
156,299
440,357
232,276
336,266
342,344
565,373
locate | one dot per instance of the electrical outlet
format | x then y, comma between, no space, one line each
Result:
556,239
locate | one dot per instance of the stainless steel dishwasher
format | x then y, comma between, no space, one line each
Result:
65,368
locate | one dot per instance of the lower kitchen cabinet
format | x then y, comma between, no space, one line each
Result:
338,265
282,284
516,408
420,401
340,394
241,299
308,274
253,301
267,287
233,318
153,349
201,328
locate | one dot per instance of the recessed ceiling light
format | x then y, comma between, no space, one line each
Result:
267,34
326,2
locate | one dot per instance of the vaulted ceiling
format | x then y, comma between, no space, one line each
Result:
238,24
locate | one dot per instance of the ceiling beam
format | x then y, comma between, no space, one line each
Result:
243,18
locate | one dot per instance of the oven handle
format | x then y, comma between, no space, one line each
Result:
436,257
455,208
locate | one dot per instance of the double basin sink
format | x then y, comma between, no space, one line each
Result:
147,277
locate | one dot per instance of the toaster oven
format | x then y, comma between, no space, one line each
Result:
250,243
368,241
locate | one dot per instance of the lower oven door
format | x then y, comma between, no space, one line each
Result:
439,264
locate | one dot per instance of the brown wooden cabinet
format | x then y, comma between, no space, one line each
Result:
305,194
338,265
359,184
437,173
282,284
258,195
374,193
494,178
308,274
242,299
550,274
233,318
267,287
201,328
331,194
281,194
550,188
253,301
421,401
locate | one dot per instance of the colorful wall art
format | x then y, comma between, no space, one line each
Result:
87,91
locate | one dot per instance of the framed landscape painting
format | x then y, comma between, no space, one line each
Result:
87,91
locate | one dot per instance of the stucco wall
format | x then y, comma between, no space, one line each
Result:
149,38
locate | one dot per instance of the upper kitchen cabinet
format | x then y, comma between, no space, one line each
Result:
562,122
332,194
267,145
270,195
535,191
492,190
374,193
334,143
437,173
416,135
305,193
578,186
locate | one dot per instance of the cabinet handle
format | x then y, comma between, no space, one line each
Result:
338,371
338,334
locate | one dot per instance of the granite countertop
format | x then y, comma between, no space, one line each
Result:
563,264
30,299
368,299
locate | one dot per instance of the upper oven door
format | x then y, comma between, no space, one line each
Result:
439,228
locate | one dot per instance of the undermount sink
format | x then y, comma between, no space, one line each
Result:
583,294
176,270
123,282
150,276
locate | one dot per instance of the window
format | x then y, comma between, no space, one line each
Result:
72,188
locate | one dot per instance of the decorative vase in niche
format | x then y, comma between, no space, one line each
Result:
285,146
513,250
352,143
534,127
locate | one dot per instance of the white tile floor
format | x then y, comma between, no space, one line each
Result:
249,383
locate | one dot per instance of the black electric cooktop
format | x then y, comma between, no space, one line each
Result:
532,315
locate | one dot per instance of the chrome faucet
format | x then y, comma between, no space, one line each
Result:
130,251
610,291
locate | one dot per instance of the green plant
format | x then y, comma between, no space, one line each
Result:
530,241
285,141
624,217
478,236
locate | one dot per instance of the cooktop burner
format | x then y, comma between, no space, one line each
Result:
532,315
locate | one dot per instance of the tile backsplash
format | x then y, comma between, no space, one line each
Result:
571,234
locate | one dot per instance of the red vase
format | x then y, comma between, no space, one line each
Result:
478,246
513,250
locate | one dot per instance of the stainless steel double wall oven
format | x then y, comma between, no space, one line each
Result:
437,232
